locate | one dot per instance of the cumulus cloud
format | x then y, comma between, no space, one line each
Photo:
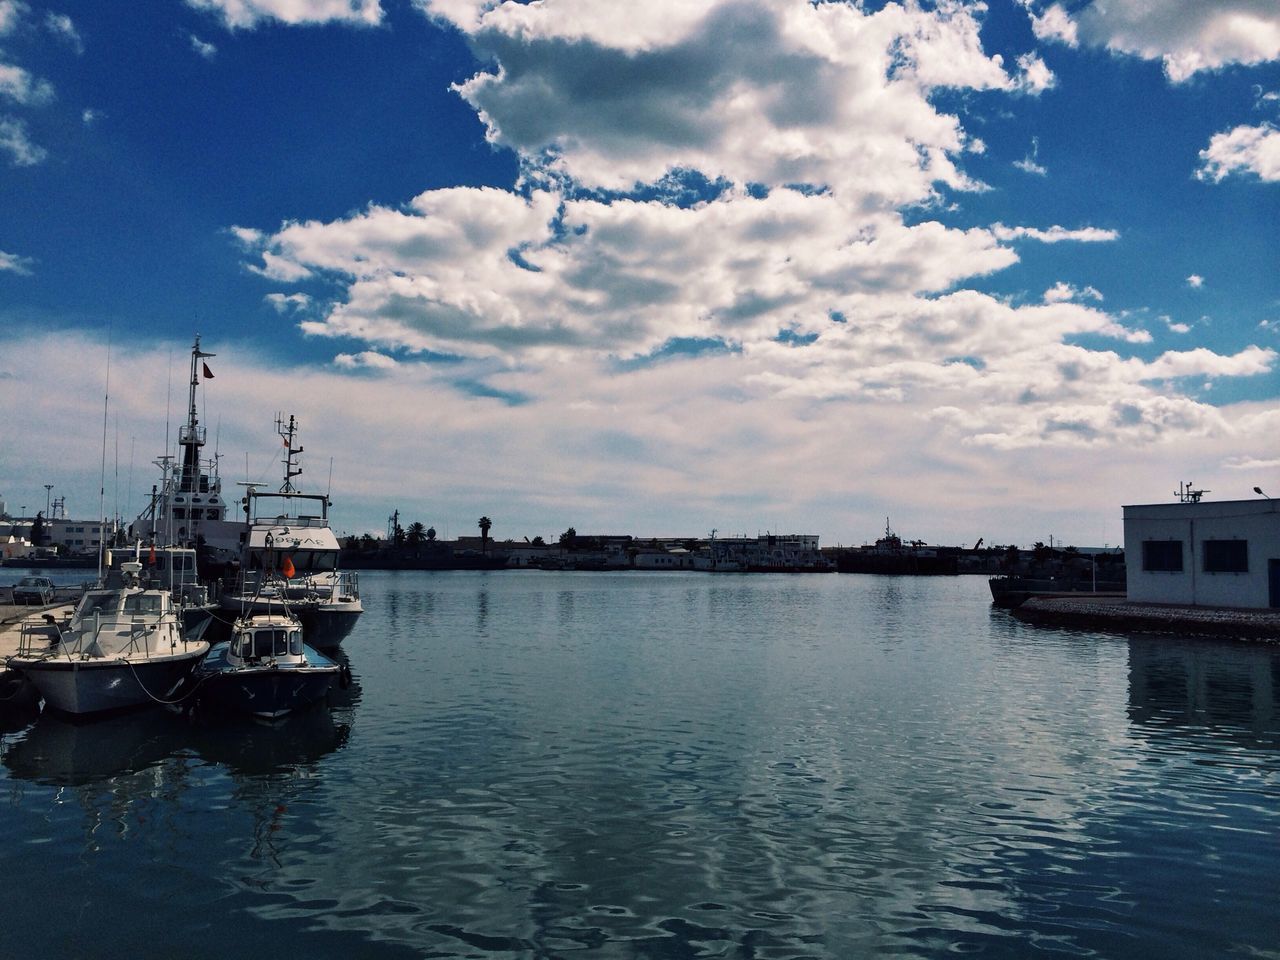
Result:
1243,150
1186,37
246,14
755,92
285,303
727,180
1195,281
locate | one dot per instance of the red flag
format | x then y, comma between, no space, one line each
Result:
151,558
208,374
288,568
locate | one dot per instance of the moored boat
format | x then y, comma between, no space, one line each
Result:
265,669
125,645
289,560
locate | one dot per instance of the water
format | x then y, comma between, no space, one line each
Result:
535,764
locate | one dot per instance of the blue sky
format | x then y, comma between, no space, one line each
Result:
986,269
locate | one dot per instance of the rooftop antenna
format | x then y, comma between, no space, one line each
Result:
1186,494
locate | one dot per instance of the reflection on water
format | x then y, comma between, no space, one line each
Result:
1204,685
559,764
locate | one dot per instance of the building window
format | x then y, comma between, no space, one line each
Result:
1162,556
1226,556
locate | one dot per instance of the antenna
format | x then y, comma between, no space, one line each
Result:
1186,494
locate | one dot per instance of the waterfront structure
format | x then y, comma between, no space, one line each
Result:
1204,553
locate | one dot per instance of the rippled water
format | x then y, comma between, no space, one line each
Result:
539,764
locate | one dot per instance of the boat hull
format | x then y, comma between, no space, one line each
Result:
263,691
83,687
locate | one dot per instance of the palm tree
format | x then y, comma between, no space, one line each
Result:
417,533
485,524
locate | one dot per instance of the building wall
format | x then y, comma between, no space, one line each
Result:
1253,522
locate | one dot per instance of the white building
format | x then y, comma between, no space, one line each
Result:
1212,554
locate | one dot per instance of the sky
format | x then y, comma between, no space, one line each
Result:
984,270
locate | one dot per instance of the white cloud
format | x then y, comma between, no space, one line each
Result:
13,263
20,87
1187,37
89,116
627,349
62,27
765,91
1248,150
1055,234
246,14
12,12
1061,292
286,303
1029,163
367,360
1034,76
17,144
1251,463
206,50
1195,281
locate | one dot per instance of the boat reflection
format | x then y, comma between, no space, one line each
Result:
252,746
1224,689
59,752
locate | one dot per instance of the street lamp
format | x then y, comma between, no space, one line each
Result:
48,489
1258,491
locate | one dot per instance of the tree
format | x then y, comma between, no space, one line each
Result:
538,541
569,539
485,524
417,533
37,530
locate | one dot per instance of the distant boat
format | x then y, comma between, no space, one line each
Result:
265,669
125,646
890,554
187,508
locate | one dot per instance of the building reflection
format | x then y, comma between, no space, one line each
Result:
1228,689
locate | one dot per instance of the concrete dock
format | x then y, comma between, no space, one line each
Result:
1119,614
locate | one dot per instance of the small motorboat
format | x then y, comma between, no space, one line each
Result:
264,669
126,645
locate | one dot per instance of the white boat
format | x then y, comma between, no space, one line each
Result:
264,669
187,507
125,646
289,559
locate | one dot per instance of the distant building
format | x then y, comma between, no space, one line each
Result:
1213,554
77,536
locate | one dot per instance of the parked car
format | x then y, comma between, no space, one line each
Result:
33,590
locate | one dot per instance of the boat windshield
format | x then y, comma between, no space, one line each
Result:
267,643
144,603
98,601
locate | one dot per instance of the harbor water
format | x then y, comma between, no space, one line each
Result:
675,765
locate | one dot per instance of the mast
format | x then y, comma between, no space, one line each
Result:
291,469
191,436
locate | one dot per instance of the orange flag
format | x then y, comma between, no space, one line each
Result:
288,568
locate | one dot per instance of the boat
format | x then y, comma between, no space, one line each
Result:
187,507
264,669
891,554
125,645
1010,592
289,559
